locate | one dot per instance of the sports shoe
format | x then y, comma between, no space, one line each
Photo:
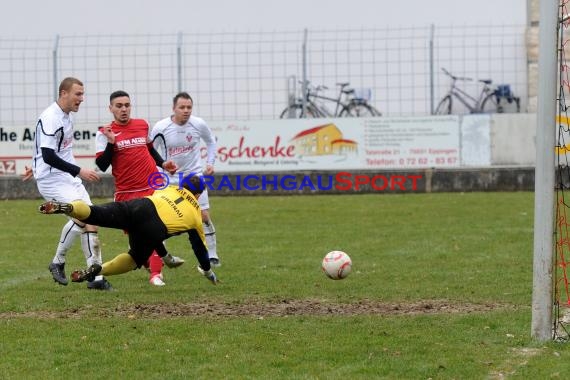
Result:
157,280
215,262
172,261
100,285
88,274
58,273
54,207
210,275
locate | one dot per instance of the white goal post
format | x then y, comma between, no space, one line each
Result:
543,262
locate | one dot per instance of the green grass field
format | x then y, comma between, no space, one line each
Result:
441,289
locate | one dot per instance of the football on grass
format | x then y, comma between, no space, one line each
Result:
337,265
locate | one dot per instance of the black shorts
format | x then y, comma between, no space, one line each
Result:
138,217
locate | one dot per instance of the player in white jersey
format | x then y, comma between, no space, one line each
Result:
59,178
178,138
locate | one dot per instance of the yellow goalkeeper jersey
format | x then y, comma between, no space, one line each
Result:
179,210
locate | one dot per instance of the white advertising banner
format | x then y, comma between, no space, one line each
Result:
476,140
290,145
343,143
17,147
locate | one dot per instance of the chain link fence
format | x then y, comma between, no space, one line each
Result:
254,75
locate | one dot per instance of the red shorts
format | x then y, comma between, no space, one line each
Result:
127,196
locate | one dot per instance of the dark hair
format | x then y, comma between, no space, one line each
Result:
194,183
118,94
67,83
183,95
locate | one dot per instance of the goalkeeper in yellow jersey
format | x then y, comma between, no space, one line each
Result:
149,221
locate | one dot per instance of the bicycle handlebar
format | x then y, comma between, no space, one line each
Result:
315,88
312,89
454,77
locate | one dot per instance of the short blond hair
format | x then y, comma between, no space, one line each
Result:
67,83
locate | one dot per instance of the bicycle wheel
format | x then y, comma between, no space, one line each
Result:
291,112
359,110
444,106
491,104
295,111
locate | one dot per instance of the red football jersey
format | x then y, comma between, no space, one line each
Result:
132,163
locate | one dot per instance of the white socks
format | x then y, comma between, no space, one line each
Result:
69,233
91,249
210,233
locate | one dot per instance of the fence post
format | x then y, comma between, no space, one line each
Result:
291,95
54,58
304,85
179,61
431,71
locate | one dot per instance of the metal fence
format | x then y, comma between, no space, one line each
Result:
247,75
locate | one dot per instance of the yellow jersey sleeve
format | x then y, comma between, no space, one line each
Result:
178,209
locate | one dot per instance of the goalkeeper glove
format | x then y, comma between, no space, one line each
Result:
210,275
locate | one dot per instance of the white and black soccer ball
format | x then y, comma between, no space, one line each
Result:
337,265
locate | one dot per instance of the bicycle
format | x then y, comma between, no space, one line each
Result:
490,100
348,103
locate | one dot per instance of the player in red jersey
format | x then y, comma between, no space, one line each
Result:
124,144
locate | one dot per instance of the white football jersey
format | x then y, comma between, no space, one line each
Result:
54,130
182,144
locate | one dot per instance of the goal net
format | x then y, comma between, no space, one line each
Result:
561,293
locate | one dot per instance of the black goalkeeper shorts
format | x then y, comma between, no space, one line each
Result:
139,218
